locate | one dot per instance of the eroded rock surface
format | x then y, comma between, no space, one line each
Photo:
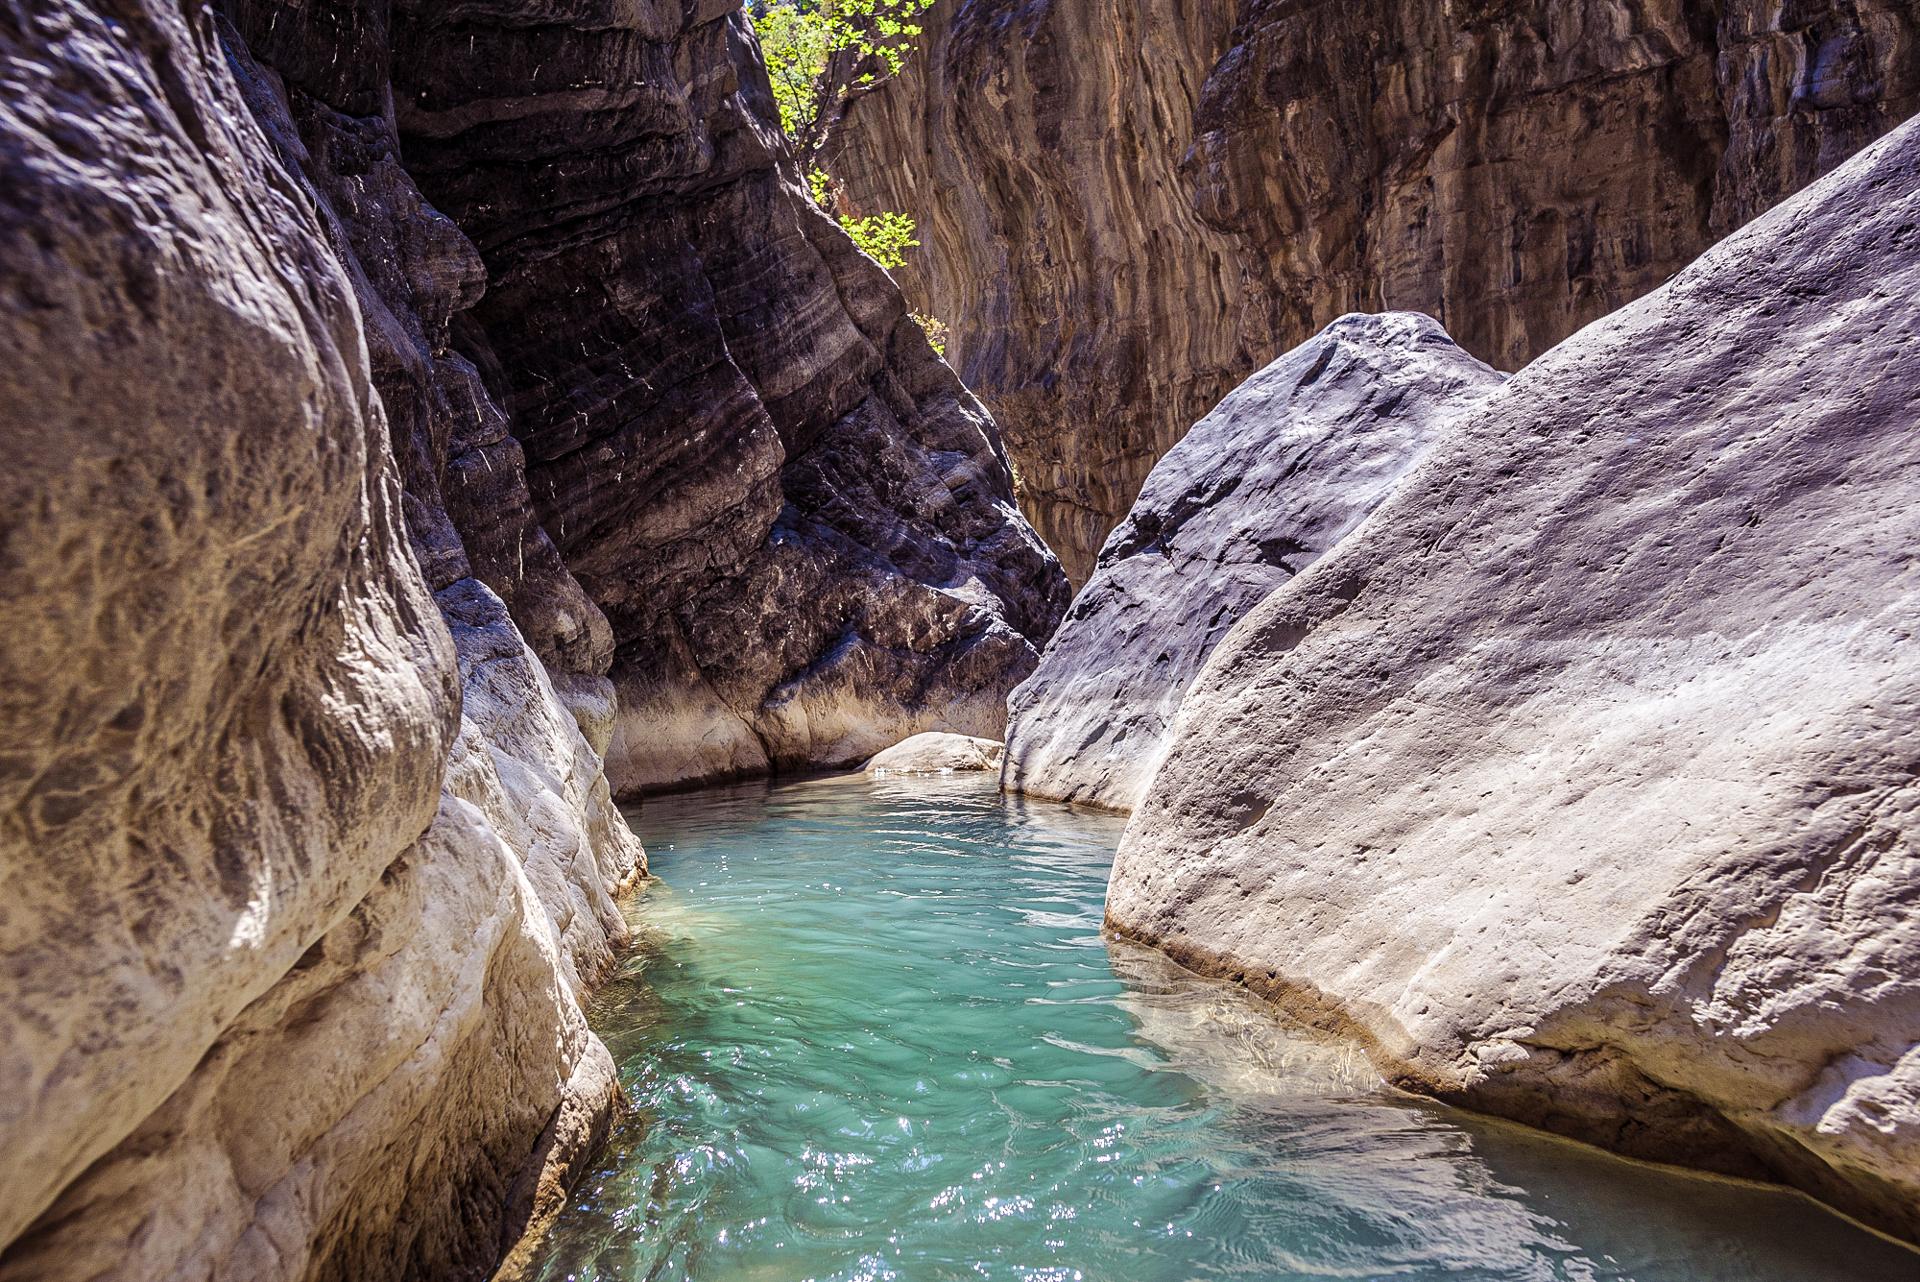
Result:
933,754
799,523
1580,781
1520,169
1263,486
307,854
1514,169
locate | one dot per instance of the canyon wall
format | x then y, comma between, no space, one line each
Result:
1579,783
324,586
1127,208
799,524
308,858
1038,145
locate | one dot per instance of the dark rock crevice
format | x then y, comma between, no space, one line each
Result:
745,361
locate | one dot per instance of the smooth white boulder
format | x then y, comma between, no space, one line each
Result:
936,753
1580,783
306,866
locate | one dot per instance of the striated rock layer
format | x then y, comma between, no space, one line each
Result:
1259,489
799,524
308,855
1580,780
1037,143
1514,169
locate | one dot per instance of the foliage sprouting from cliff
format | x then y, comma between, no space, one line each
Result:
821,55
937,335
886,236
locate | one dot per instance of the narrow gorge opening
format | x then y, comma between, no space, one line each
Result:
745,638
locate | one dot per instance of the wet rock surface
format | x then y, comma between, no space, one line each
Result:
1263,486
1128,208
1579,782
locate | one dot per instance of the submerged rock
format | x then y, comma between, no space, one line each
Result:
1127,206
936,753
1255,493
1580,782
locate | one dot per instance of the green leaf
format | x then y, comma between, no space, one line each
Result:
885,237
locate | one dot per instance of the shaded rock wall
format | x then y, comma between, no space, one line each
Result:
799,524
1520,169
1580,781
1262,487
308,855
1515,169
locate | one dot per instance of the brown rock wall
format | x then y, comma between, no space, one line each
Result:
1059,239
798,522
1514,168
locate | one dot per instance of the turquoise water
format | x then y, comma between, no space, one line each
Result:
873,1032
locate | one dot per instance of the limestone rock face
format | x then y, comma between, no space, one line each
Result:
1515,169
1290,462
1580,781
1038,143
799,524
1520,169
933,754
307,855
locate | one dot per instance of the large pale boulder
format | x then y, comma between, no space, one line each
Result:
1580,782
440,1019
307,856
227,696
1256,492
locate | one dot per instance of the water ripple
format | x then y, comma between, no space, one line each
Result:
872,1032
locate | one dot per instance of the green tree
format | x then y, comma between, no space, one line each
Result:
823,54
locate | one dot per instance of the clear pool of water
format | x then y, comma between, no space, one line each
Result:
872,1031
